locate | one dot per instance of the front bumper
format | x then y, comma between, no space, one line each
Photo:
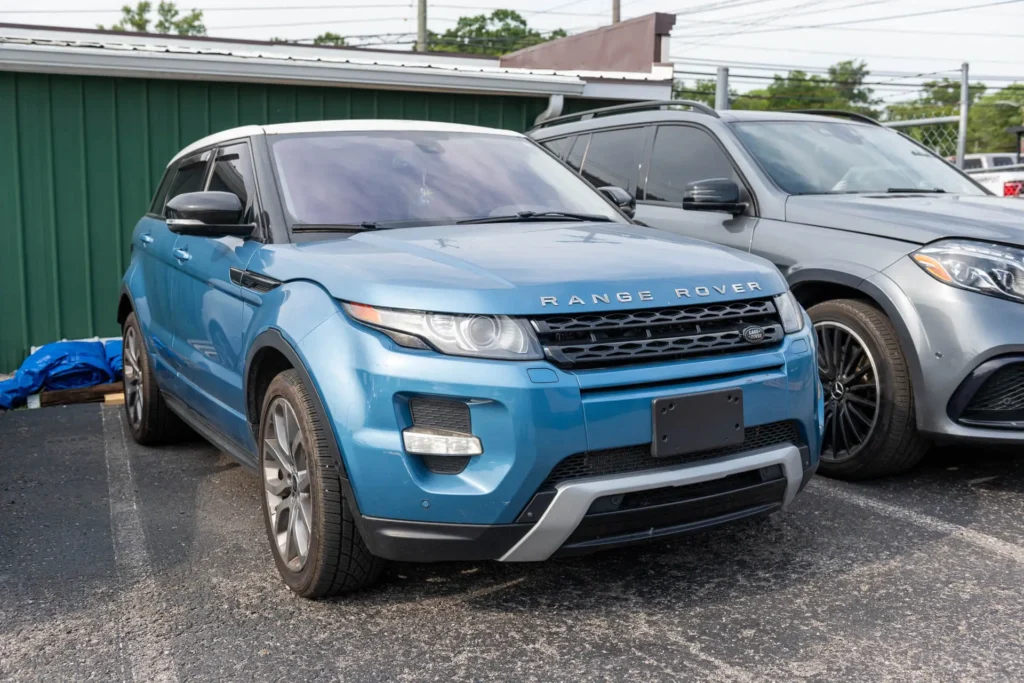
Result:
530,417
953,334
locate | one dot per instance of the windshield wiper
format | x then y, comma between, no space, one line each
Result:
531,216
916,190
339,227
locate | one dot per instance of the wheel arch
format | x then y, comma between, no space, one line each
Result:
125,305
269,355
811,286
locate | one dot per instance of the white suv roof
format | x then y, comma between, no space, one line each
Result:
336,127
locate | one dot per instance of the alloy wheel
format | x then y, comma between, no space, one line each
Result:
285,465
131,357
849,378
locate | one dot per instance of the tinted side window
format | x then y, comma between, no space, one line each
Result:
578,151
1002,161
972,164
614,158
232,172
684,154
157,205
558,147
189,178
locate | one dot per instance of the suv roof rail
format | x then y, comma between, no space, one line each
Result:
699,107
838,113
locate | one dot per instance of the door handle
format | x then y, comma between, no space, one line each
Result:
182,254
146,240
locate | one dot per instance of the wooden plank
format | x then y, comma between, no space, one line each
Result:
84,395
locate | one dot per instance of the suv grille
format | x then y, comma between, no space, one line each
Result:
1000,395
637,458
620,337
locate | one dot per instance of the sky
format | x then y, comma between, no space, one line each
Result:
753,37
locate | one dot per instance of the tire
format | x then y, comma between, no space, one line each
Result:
336,559
891,444
150,420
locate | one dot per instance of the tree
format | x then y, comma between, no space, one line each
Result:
168,20
502,32
991,115
329,38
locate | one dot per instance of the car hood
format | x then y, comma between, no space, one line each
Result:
522,268
914,218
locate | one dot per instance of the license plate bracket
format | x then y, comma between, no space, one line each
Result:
696,422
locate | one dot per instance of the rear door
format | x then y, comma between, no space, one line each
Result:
613,158
210,322
682,154
163,292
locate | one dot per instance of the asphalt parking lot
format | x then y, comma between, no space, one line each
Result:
119,562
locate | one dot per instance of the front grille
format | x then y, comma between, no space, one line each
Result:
620,337
440,413
638,458
1000,395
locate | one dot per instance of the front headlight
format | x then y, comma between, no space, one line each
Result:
480,336
790,312
976,266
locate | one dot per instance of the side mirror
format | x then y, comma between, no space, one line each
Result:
620,198
715,194
207,214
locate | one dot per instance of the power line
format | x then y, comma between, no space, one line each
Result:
278,8
870,19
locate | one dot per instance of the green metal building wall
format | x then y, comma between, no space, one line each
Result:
80,157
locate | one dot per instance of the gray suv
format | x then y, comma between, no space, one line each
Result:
912,273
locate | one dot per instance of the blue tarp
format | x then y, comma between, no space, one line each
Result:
63,365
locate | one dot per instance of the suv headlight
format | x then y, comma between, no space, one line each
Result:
976,266
479,336
790,312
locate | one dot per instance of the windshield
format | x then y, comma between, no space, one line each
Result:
812,157
403,179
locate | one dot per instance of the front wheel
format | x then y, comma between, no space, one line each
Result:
311,529
870,423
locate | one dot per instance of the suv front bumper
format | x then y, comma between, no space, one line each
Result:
532,416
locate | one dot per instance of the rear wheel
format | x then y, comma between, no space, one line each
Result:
870,423
150,420
312,532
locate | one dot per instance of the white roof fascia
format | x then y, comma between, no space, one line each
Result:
192,64
612,90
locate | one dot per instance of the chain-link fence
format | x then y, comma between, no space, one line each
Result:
937,128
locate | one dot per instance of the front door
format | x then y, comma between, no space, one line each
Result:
681,155
210,325
163,293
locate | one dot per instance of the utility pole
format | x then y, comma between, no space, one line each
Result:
615,11
722,89
421,26
965,104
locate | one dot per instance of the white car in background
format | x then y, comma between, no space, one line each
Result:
1001,173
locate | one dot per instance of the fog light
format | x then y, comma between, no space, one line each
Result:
422,441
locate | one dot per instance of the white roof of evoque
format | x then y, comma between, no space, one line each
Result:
336,127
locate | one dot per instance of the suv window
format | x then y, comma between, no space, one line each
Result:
232,172
684,154
972,164
558,147
614,158
157,205
189,178
579,150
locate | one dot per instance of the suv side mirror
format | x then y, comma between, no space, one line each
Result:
620,198
715,194
207,214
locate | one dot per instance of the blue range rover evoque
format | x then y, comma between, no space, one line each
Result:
436,342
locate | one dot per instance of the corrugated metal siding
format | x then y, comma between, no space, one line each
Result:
80,158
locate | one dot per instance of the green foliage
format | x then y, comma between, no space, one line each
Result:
169,20
843,88
989,118
502,32
329,38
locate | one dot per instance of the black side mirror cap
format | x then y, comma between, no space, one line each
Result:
207,214
714,194
620,198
